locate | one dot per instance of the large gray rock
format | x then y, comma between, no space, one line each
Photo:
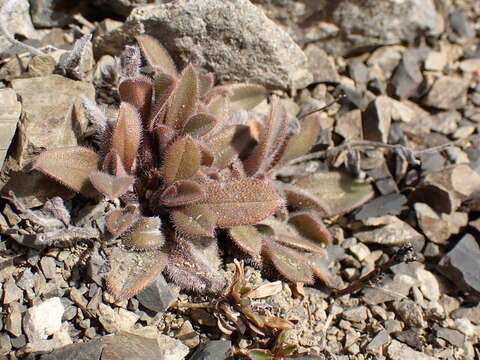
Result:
234,39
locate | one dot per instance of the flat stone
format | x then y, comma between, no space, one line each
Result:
349,125
43,319
461,264
41,65
399,351
5,344
407,76
360,250
454,337
393,326
460,24
188,335
171,349
466,327
390,231
448,93
384,181
49,267
410,313
436,61
377,119
129,346
471,313
320,65
391,289
355,314
26,280
391,204
429,285
10,110
213,350
13,320
264,53
378,341
81,351
158,296
446,122
435,229
11,292
18,341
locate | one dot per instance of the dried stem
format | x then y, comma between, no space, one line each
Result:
404,254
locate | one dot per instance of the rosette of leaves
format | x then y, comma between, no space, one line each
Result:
185,162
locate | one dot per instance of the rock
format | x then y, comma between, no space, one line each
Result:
384,181
393,326
320,65
461,264
410,313
52,13
10,110
13,321
361,251
79,351
407,77
18,341
11,292
116,320
158,296
356,314
429,285
26,280
392,289
377,119
349,125
465,327
41,65
49,118
471,313
264,53
130,346
188,335
5,344
213,350
460,24
171,349
386,60
436,61
390,231
446,122
398,351
448,93
391,204
43,319
378,341
49,268
434,228
454,337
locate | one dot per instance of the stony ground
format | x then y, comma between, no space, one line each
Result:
409,73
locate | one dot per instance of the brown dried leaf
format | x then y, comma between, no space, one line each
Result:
131,272
301,143
182,192
228,144
112,164
266,290
156,55
182,160
184,100
311,227
241,202
70,166
126,135
146,234
194,220
119,221
338,190
200,124
137,92
288,262
278,323
247,238
110,185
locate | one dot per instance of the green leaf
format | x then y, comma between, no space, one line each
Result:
126,135
241,202
278,323
156,55
131,272
247,238
200,124
260,355
70,166
182,160
194,220
341,192
184,100
146,234
110,185
182,192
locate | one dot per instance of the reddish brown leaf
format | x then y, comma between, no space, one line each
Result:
271,140
200,124
70,166
303,199
311,227
205,83
246,96
228,144
182,192
163,89
137,92
219,107
241,202
338,190
109,185
247,238
131,272
146,234
194,220
288,262
113,165
184,100
278,323
301,143
165,135
265,290
182,160
156,55
126,135
119,221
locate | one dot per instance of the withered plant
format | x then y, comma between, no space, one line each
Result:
191,166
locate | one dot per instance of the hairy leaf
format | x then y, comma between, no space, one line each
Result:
246,96
182,160
119,221
205,83
70,166
311,227
241,202
194,220
126,135
338,190
156,55
182,192
137,92
288,262
219,107
110,185
163,89
301,143
303,199
112,164
266,290
131,272
228,144
184,99
200,124
165,135
275,322
146,234
271,140
247,238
